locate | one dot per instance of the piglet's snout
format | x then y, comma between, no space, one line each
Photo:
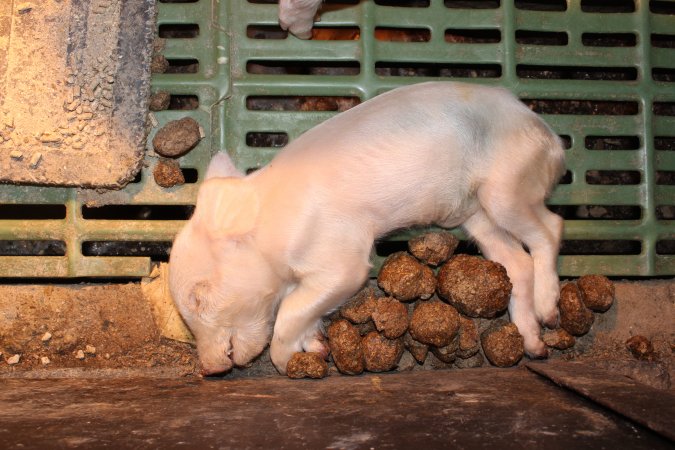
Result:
215,361
208,369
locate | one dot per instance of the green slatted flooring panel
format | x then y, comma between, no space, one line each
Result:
602,73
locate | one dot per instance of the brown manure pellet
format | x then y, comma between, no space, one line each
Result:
468,344
597,292
159,64
177,137
477,287
575,318
640,347
559,339
381,354
159,101
390,317
418,350
306,365
167,173
434,323
360,307
448,353
502,344
404,277
433,248
345,346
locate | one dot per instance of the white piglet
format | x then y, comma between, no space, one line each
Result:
292,240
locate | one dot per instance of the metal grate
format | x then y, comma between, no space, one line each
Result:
602,73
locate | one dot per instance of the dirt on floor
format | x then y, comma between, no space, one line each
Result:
108,330
85,327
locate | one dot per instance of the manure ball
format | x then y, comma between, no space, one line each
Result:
344,342
434,323
390,317
575,318
502,344
433,248
477,287
381,354
405,278
306,365
597,292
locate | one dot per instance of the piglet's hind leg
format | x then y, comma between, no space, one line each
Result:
499,246
522,218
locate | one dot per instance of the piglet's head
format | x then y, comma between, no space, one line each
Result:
219,281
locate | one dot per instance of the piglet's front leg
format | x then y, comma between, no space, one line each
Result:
298,322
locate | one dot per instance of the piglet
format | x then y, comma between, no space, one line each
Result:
292,240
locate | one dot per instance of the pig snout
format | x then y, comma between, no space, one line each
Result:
207,371
214,359
219,359
215,367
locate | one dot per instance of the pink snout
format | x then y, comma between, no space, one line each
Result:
206,371
211,366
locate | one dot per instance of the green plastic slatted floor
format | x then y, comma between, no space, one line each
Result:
601,73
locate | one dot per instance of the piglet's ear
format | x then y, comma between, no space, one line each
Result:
221,166
227,207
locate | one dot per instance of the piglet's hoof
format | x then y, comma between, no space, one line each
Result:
536,350
317,344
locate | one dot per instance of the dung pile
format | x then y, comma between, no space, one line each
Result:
454,318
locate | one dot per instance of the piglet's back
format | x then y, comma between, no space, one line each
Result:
414,152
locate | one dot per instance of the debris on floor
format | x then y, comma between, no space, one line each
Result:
85,327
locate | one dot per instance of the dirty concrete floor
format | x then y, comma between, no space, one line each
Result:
472,408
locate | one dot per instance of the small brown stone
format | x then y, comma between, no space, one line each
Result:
433,248
167,173
559,339
597,292
177,137
502,344
360,307
159,101
468,338
306,365
390,317
434,323
574,316
345,347
381,354
640,347
405,278
418,350
475,286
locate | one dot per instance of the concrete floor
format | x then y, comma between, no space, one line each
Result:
472,408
